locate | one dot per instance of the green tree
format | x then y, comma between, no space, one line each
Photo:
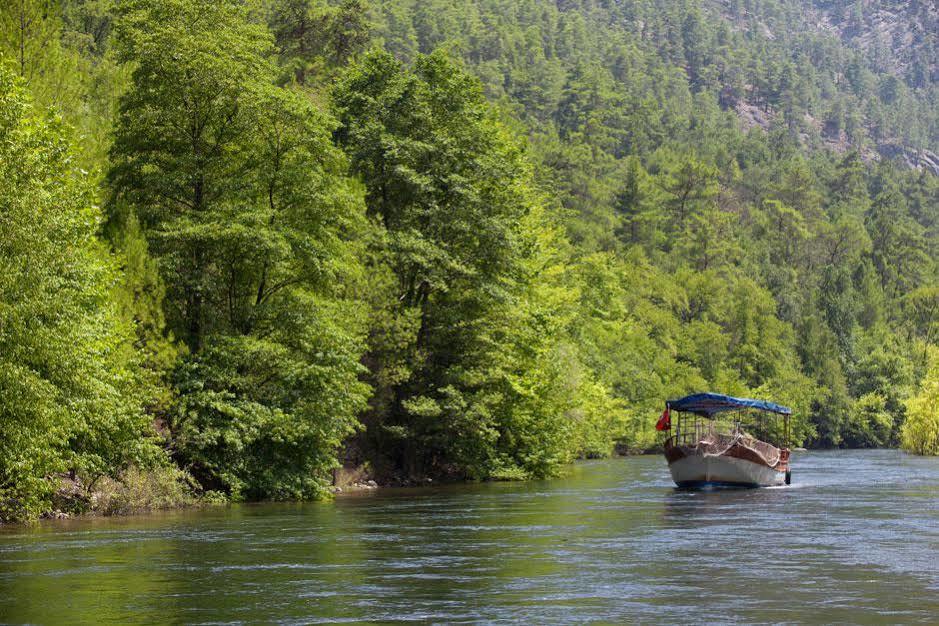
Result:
922,312
899,248
245,207
30,36
920,433
638,206
313,37
688,183
477,389
69,399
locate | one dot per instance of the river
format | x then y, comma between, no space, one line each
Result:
855,538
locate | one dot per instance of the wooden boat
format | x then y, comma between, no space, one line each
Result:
713,448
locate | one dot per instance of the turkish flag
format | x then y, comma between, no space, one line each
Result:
665,422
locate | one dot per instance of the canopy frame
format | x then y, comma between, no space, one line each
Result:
710,405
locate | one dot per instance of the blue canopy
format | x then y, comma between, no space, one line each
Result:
709,404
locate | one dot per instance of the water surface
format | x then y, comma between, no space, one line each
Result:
855,539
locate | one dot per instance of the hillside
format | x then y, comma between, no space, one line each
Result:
896,42
428,239
845,75
895,37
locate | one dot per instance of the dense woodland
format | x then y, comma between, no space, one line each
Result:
243,242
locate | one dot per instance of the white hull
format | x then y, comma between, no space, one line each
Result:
700,470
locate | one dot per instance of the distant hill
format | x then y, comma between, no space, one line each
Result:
891,51
842,74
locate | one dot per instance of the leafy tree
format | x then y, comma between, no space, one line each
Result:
638,205
29,35
922,312
884,370
478,388
920,434
245,207
69,398
899,249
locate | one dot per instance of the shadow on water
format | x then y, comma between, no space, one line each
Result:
854,539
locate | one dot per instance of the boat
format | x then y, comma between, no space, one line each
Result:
712,444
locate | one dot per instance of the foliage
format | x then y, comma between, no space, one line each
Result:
135,490
795,259
483,385
69,397
314,38
459,240
245,208
920,434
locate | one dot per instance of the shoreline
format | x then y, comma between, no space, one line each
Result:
356,488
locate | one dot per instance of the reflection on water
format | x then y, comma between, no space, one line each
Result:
854,539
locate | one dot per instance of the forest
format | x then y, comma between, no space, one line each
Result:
246,242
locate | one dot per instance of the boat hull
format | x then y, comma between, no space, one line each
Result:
697,471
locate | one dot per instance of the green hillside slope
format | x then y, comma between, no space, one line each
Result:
470,240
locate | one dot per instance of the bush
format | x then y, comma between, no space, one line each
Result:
920,434
136,490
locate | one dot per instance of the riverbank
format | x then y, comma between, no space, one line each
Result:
136,492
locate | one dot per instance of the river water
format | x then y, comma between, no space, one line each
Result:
855,539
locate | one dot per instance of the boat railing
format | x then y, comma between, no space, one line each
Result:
712,437
684,439
712,442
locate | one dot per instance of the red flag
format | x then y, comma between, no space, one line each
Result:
665,422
